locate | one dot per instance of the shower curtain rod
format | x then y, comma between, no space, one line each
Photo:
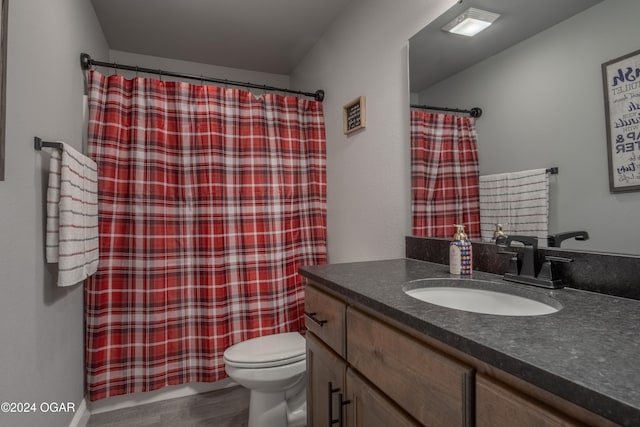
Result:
86,62
474,112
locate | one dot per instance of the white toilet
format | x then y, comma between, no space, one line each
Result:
273,367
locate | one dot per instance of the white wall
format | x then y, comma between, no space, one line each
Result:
41,326
368,173
543,106
193,68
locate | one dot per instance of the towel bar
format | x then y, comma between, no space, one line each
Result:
39,144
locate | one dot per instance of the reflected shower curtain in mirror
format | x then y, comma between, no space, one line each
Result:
209,201
444,174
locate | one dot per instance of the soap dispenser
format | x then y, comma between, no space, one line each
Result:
460,253
499,238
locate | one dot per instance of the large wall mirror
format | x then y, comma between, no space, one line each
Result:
542,98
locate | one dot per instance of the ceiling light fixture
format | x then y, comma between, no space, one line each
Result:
471,22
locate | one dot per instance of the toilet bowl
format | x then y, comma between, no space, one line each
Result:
273,368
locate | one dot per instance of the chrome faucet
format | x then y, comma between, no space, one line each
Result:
524,267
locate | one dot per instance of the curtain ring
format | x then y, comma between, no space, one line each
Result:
136,71
160,72
115,68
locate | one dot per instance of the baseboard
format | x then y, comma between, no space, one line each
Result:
172,392
81,417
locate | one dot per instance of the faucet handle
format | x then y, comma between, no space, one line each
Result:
513,262
526,240
557,259
546,273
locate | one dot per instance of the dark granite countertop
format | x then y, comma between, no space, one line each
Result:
587,353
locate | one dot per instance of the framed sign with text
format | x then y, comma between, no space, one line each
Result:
621,80
354,116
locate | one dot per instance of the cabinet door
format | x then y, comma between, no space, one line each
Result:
433,388
368,408
500,406
325,384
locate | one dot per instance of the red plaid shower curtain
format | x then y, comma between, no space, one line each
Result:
209,201
444,174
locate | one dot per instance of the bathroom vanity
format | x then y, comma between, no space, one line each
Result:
376,356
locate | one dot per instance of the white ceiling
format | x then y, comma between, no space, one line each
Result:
270,36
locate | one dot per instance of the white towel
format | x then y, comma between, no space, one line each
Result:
494,203
518,200
529,203
53,207
72,215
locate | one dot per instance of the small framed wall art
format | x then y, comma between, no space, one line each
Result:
621,81
354,115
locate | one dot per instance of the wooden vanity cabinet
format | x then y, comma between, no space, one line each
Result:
383,374
326,367
430,386
337,396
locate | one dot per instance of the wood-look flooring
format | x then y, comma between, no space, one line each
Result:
221,408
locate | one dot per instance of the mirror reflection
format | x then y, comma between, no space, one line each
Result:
543,105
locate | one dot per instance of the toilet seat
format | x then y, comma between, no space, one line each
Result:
267,351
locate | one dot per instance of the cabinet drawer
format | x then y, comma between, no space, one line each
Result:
430,386
498,406
324,315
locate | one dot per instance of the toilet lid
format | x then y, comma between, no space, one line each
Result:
268,351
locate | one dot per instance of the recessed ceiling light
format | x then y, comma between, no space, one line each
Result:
471,22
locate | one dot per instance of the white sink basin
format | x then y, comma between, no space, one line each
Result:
480,300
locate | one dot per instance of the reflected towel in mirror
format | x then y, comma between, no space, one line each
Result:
517,200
